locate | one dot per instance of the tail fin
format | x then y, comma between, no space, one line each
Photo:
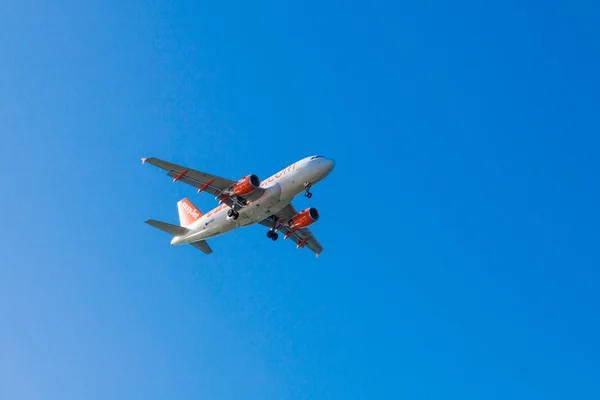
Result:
188,213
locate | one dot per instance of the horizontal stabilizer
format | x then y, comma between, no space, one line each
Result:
202,246
169,228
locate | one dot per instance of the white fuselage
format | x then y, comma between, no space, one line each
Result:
280,190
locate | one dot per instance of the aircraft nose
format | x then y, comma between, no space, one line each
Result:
330,164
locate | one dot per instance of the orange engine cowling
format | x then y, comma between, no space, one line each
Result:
305,218
246,185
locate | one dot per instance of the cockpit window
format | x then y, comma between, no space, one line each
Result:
313,157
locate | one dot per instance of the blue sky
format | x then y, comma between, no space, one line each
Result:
460,223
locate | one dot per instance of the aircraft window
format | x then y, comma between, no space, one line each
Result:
313,157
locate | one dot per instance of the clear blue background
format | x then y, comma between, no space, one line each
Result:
461,223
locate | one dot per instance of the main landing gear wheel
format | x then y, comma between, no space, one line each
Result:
308,194
233,214
272,235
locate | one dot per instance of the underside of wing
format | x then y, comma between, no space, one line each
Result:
212,184
217,186
304,237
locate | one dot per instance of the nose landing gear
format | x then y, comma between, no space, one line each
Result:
307,192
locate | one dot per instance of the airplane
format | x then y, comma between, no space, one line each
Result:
246,202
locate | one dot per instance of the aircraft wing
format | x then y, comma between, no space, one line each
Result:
301,235
213,184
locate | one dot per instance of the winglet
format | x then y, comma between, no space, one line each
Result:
144,160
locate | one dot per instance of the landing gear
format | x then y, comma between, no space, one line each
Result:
307,192
273,235
231,213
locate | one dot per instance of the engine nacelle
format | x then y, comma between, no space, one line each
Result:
305,218
246,185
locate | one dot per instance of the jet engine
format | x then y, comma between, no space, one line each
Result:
302,220
246,185
305,218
